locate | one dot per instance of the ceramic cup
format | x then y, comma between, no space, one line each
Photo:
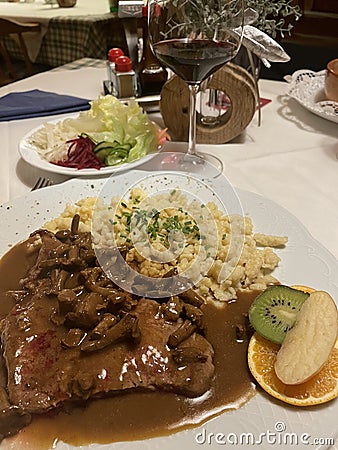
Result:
331,80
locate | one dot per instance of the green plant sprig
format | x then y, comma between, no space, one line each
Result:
272,15
203,18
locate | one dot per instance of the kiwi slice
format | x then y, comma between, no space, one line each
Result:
274,311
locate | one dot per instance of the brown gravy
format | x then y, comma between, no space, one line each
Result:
141,415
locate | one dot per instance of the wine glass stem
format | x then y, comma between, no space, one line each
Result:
193,89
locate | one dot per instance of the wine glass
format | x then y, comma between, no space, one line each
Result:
195,38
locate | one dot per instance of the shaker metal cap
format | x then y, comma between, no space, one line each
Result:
123,64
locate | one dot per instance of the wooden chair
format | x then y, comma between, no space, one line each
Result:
318,26
14,28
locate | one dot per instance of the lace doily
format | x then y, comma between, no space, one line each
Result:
307,87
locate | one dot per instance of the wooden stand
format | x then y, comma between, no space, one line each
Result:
231,79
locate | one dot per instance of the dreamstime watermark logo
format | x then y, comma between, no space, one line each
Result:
167,219
279,436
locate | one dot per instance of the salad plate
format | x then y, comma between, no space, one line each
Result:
110,137
307,88
28,152
263,421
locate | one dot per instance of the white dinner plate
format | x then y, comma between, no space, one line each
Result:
307,88
28,152
303,261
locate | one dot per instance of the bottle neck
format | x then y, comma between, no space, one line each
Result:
145,31
148,57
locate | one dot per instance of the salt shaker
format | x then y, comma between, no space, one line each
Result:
113,54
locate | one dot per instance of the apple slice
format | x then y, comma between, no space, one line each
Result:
308,345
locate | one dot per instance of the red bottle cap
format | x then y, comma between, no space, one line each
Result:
157,10
123,64
114,53
145,11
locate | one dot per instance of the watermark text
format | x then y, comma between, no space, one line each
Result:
279,437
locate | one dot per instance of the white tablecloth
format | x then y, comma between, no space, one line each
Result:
291,158
39,11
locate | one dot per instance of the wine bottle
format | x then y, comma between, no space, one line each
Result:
152,75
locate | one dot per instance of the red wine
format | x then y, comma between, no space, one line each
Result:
194,60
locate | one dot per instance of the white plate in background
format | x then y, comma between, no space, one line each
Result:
29,153
307,88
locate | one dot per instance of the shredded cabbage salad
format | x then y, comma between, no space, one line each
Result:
108,120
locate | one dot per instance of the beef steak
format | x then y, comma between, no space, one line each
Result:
42,373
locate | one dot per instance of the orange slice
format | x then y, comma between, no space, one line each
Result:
319,389
306,289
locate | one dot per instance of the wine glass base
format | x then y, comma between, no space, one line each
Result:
201,164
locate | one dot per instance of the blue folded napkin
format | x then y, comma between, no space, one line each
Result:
36,103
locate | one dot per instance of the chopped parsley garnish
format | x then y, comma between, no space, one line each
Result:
155,226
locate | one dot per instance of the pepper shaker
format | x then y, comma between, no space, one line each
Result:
125,78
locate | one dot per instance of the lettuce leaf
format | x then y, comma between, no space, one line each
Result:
125,124
109,120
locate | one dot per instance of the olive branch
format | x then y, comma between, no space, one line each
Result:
205,17
275,17
200,18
